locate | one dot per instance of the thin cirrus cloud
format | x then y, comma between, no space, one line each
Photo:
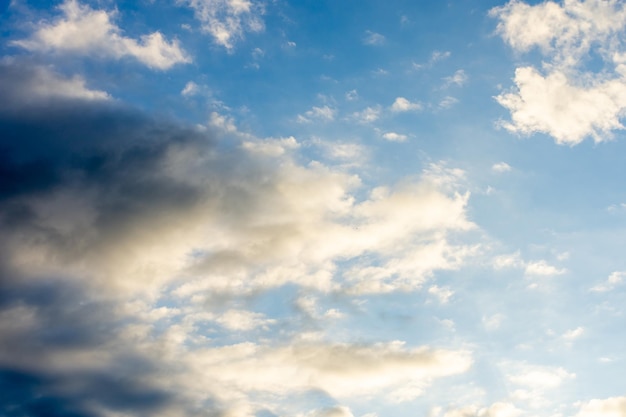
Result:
83,30
565,99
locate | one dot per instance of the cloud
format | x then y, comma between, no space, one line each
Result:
227,20
447,102
324,113
542,268
573,334
394,137
367,115
501,167
615,279
130,247
531,268
190,89
337,411
401,104
562,107
442,294
458,78
565,31
341,370
435,57
40,84
498,409
609,407
536,377
373,38
566,100
83,30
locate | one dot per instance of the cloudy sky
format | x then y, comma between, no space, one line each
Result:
312,208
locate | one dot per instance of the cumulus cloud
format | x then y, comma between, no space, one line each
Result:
129,245
542,268
609,407
564,108
227,20
615,279
501,167
401,104
565,99
83,30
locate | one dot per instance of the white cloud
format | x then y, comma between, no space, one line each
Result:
367,115
512,260
191,89
271,147
609,407
458,78
242,320
442,294
227,20
615,278
324,113
531,268
573,334
536,377
542,268
341,370
401,104
563,107
373,38
566,100
448,102
564,31
394,137
501,167
86,31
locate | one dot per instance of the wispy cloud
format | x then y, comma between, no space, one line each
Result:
373,38
227,21
324,113
459,78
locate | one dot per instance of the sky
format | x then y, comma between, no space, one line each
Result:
312,208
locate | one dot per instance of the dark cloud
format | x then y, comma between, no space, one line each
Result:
116,156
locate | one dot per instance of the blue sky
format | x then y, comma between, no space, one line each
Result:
269,208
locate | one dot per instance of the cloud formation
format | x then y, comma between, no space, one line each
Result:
128,242
83,30
227,20
565,99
